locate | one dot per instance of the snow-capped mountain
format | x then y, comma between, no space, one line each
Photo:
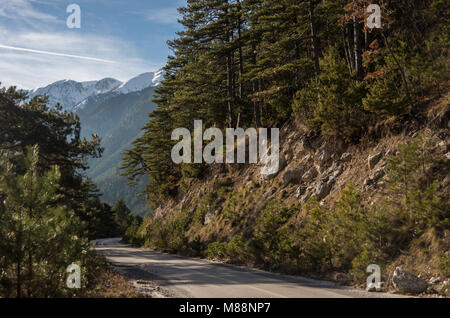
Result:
69,93
74,95
140,82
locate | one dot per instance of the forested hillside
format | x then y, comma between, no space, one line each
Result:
363,117
118,121
49,211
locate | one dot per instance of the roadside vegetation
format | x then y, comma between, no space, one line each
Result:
49,212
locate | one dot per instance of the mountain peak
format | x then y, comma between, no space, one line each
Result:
69,93
73,95
140,82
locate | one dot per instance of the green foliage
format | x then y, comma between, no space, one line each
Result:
234,250
48,210
209,203
386,97
252,62
38,237
444,265
411,194
338,98
270,232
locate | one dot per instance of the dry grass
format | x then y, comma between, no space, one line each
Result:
110,284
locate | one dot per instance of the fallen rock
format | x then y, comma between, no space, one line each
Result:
407,282
368,182
374,159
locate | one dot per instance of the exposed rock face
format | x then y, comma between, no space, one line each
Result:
378,174
300,191
407,282
310,174
293,175
324,188
322,154
374,159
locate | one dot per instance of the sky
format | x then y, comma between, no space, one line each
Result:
117,38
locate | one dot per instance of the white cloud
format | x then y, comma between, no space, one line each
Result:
22,26
23,10
163,15
30,70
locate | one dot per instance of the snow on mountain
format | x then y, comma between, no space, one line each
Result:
78,95
140,82
69,93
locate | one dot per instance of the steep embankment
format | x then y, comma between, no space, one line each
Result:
332,209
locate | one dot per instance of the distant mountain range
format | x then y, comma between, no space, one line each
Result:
116,111
72,95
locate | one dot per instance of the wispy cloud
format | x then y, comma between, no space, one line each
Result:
36,50
24,10
54,54
79,58
162,15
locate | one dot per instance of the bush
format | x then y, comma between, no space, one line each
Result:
386,96
269,232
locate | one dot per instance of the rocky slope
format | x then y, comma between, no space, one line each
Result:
314,166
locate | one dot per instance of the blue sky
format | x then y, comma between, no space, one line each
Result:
130,34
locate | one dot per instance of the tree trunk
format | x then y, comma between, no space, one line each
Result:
255,89
315,42
350,45
229,91
358,54
241,61
366,40
348,56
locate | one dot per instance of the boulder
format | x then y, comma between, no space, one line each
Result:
407,282
434,280
374,159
